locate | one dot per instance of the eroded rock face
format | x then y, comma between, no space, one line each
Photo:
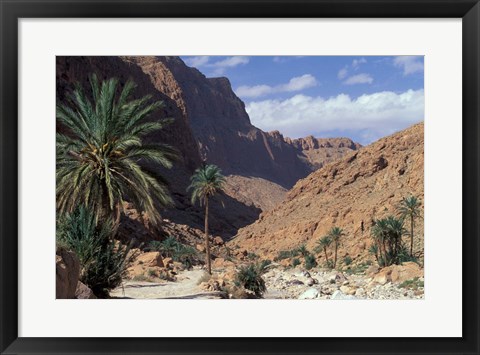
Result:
398,273
67,273
363,186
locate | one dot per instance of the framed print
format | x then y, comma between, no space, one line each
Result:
224,177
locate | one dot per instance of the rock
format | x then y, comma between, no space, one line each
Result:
200,248
372,270
398,273
218,241
221,263
339,295
310,282
83,292
310,294
167,262
360,292
150,259
67,273
348,290
295,282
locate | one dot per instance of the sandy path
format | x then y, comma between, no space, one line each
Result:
186,286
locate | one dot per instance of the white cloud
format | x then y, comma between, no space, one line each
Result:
197,61
359,79
295,84
369,116
219,67
409,64
342,73
356,62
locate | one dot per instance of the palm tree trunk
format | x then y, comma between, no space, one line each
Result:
411,235
207,242
326,256
335,261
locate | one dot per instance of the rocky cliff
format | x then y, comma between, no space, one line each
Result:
210,124
362,186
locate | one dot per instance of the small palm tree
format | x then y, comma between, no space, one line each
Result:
206,182
410,208
335,234
101,158
324,243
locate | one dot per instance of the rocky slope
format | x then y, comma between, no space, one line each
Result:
223,129
211,125
362,186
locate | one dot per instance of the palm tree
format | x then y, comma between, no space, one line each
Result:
379,234
410,208
206,182
335,233
324,243
387,233
101,158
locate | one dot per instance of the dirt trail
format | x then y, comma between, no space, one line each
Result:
186,287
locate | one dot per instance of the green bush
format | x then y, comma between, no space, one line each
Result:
347,260
103,261
296,262
413,284
250,277
285,254
310,261
172,248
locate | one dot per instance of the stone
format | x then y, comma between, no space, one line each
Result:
218,241
200,248
339,295
150,259
83,292
310,294
310,282
67,270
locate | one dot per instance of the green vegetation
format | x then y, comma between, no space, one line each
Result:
410,208
172,248
296,262
206,182
252,256
347,260
250,277
335,234
324,243
286,254
387,234
101,158
103,261
310,261
413,284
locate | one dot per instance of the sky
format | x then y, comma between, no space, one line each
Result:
360,97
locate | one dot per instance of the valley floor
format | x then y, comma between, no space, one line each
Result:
291,283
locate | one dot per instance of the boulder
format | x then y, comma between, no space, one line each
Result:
200,248
83,292
218,241
150,259
310,294
67,273
398,273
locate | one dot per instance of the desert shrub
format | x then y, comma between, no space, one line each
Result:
310,261
296,262
172,248
252,256
413,284
404,255
303,251
250,277
329,264
285,254
347,260
103,261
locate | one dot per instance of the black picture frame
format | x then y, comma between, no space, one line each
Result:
11,11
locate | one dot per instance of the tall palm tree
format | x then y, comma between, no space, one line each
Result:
410,208
379,234
101,158
387,233
335,234
206,182
324,243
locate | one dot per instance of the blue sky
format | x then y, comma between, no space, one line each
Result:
361,97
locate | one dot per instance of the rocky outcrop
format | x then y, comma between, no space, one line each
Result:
363,186
67,273
83,292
